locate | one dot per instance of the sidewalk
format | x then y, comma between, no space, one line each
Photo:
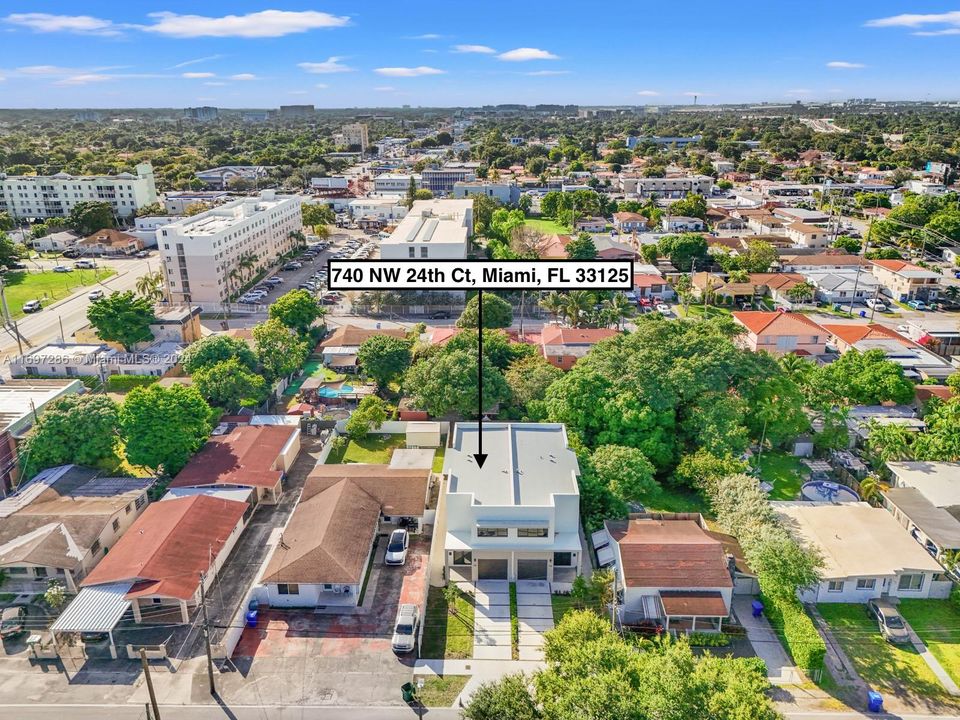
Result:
780,670
932,662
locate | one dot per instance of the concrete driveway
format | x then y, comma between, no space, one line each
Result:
535,613
491,620
766,644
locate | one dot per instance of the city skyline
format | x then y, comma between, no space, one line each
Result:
334,55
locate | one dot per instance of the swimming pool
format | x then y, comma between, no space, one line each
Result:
824,491
332,392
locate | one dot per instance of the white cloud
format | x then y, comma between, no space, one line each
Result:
49,23
385,88
197,75
937,33
244,76
914,20
266,23
481,49
408,71
844,65
195,61
84,79
321,86
48,70
425,36
647,93
547,73
298,92
524,54
330,65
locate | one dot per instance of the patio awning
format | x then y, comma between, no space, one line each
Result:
95,609
693,604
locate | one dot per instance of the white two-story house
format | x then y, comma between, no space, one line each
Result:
517,517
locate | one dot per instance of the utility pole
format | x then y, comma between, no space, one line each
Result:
146,675
206,635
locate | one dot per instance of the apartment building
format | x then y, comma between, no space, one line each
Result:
202,253
905,281
355,134
666,187
507,193
52,196
433,229
395,182
440,181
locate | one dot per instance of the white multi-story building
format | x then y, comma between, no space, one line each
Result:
507,193
395,182
666,187
356,134
42,197
201,253
385,207
517,517
433,229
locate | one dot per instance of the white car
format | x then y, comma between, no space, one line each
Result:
405,628
876,305
95,294
397,548
62,269
663,309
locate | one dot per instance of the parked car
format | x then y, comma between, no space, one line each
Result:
917,305
663,308
876,305
32,306
142,254
71,253
397,548
274,280
889,622
13,621
62,269
440,315
405,628
307,286
85,264
14,265
95,294
292,265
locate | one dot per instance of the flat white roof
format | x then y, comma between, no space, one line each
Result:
855,539
527,463
63,353
938,481
433,222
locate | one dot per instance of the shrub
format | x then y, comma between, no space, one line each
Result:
337,450
702,639
800,635
123,383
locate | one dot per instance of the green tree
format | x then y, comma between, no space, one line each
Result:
888,442
317,214
162,427
862,378
9,250
498,349
528,379
88,216
447,382
214,349
758,257
384,358
582,248
297,309
683,250
941,439
784,564
151,209
230,385
505,699
6,222
79,429
121,317
497,312
703,470
280,351
423,194
411,193
851,245
692,205
625,470
370,414
55,595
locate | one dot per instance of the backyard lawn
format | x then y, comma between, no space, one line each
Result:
669,499
438,459
374,449
446,635
313,368
937,622
891,669
784,472
548,227
47,286
441,690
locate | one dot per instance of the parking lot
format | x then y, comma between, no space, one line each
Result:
340,657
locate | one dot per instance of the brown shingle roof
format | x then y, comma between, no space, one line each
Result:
168,546
328,537
669,554
109,237
700,604
244,456
399,491
353,336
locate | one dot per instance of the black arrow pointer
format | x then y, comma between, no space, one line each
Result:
479,456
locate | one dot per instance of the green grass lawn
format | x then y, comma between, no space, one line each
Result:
548,227
783,471
375,449
937,622
697,311
442,690
562,604
438,459
446,635
890,669
670,499
313,368
47,287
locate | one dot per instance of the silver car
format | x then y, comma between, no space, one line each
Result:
405,628
397,548
889,622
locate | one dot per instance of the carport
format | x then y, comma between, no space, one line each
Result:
95,609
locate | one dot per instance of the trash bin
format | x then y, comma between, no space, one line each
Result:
253,604
837,307
757,607
252,618
874,701
863,313
408,690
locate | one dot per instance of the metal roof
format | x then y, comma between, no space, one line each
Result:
936,523
95,609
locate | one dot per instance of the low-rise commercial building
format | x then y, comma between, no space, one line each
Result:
507,193
434,230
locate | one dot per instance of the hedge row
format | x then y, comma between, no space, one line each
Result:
122,383
800,635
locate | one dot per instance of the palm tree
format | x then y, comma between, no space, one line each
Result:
553,304
150,286
234,280
578,307
247,264
801,292
796,368
870,488
619,308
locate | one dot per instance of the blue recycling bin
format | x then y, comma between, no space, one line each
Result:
757,607
252,618
874,701
863,313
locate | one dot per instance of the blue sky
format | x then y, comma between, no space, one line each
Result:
424,52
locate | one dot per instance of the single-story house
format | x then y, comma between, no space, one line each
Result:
652,285
681,224
563,346
917,362
610,249
257,456
843,286
591,225
110,242
339,349
629,222
55,241
935,528
866,553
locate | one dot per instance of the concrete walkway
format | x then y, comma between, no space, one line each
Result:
491,620
766,644
932,662
535,615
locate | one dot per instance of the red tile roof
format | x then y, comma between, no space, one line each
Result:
556,335
852,333
643,280
554,247
925,392
244,456
759,321
169,545
669,554
896,265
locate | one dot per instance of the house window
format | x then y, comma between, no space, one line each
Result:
835,586
95,548
562,559
129,508
327,587
140,501
116,524
288,589
532,532
412,252
423,252
157,601
866,584
462,557
911,582
489,532
17,570
40,572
